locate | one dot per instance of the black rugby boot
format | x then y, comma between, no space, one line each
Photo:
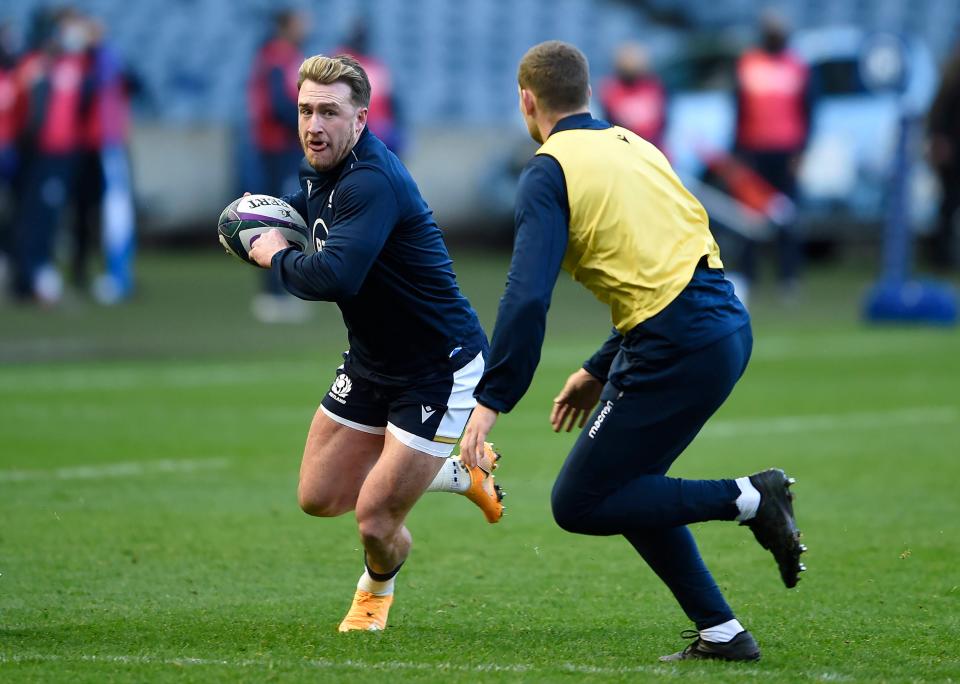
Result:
740,648
774,525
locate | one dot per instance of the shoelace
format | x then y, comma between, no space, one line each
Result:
690,634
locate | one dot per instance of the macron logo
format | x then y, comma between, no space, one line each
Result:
599,421
426,412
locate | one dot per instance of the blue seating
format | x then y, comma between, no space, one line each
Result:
453,60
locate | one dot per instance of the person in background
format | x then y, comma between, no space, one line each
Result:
8,138
634,97
774,103
384,119
103,188
53,94
272,99
943,129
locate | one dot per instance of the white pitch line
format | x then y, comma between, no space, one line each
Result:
87,412
326,664
112,470
865,420
126,378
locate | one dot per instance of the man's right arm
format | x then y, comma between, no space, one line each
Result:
542,220
367,211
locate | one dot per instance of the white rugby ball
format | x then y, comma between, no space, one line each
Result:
247,218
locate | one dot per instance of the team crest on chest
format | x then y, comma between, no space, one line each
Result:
319,234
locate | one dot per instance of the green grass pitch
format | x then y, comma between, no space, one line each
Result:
149,529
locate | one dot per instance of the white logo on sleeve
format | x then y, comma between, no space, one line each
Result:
426,412
341,388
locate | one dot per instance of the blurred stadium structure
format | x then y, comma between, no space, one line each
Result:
454,63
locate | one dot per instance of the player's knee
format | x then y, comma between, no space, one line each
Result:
317,504
375,530
567,514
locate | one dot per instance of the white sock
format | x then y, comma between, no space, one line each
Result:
721,634
453,477
367,583
749,499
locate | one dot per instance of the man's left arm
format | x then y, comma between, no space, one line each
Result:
599,364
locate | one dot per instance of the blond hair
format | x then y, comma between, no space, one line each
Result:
558,74
342,69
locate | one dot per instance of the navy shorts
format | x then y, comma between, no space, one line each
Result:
428,417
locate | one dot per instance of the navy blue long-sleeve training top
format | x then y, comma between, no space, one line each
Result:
381,257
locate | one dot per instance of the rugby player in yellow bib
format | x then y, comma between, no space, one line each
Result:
604,205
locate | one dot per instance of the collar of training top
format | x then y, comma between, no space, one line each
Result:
582,120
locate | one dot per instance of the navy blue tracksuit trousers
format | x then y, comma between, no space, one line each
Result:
614,480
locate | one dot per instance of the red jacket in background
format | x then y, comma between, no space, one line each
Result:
271,133
107,122
772,108
58,128
8,107
381,117
640,106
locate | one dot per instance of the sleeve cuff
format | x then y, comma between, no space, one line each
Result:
278,257
494,405
593,370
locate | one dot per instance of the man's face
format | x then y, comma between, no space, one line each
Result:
329,123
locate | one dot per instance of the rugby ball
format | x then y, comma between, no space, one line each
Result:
246,219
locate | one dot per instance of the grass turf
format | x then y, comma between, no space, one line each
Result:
149,529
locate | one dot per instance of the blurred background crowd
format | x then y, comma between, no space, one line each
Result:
796,124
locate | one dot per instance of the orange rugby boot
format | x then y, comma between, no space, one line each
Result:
484,491
367,613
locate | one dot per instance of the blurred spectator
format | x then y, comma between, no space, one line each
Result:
272,96
52,98
634,97
8,135
773,125
103,192
943,127
384,115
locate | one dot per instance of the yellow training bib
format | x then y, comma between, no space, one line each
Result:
636,234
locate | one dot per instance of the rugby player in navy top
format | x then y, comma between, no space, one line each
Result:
604,204
384,431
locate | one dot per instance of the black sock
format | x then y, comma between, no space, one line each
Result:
381,576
